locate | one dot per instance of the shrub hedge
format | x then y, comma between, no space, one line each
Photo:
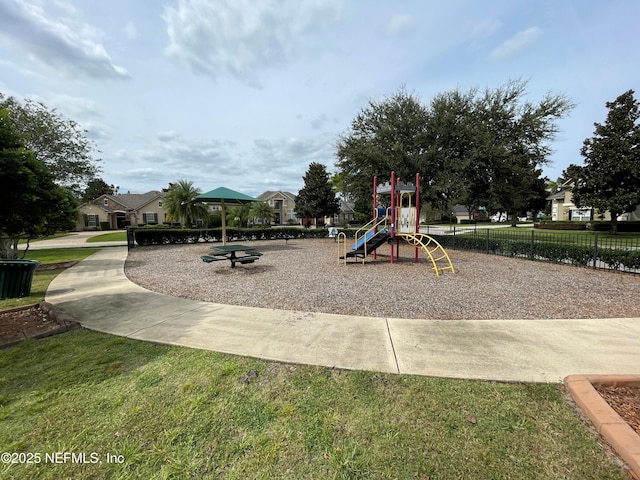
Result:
561,225
581,255
596,226
166,236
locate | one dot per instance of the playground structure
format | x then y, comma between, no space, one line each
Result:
399,221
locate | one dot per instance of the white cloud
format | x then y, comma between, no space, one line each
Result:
168,136
515,43
130,31
61,42
287,160
485,28
242,38
74,107
177,154
399,24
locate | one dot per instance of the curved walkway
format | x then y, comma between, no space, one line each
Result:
97,294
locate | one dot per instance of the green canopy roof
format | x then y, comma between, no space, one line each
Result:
222,196
225,195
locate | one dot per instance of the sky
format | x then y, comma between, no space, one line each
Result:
246,94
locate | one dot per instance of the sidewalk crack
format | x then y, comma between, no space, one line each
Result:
393,348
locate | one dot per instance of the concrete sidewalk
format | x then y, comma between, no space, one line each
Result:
75,240
99,296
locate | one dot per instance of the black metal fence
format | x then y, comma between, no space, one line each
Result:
593,250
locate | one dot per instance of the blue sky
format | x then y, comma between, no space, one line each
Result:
245,94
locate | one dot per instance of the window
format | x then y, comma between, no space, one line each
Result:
581,215
150,217
92,220
160,203
106,202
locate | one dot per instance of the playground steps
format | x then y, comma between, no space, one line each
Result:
430,246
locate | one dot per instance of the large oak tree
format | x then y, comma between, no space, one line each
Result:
470,147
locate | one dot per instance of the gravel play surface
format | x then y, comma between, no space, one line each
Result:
305,275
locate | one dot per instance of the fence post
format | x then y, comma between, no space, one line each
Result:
131,239
595,249
454,236
532,256
487,242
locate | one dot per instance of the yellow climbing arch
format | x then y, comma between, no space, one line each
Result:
438,256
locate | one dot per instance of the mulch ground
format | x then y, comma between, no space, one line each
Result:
625,401
35,321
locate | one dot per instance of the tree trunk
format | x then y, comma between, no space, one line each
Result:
614,223
8,247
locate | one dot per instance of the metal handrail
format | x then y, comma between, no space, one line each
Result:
384,221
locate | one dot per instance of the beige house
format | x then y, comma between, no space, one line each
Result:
346,214
119,211
563,208
284,206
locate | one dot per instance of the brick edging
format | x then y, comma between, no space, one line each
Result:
613,428
64,323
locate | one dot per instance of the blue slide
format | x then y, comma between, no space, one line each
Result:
366,238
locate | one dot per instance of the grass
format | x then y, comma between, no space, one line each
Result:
560,236
57,235
584,233
173,412
109,237
42,279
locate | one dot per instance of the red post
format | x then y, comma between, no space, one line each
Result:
393,211
417,210
375,206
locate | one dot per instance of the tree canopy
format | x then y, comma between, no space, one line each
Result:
317,198
610,177
470,147
95,188
31,203
58,142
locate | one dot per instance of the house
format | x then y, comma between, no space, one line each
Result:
284,206
461,212
563,208
110,212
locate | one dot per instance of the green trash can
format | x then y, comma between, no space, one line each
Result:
16,277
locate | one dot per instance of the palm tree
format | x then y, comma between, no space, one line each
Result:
179,205
238,216
262,211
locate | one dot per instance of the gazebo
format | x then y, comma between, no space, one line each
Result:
224,196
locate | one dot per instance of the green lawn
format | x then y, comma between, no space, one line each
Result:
42,279
57,235
171,412
109,237
584,233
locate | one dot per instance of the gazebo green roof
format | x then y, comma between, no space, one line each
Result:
226,195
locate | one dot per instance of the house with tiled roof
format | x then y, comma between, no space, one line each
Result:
563,208
284,206
111,212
